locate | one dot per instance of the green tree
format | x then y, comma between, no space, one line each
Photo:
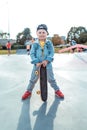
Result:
83,38
75,33
23,36
56,39
4,35
27,33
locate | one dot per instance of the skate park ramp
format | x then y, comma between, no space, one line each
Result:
70,72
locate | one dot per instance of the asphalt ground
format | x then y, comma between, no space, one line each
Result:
70,72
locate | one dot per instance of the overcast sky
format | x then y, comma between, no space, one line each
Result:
58,15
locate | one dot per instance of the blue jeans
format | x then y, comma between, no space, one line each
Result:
35,77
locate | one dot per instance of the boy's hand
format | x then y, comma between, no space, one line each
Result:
44,63
38,64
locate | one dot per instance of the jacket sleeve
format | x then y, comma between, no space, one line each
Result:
34,60
50,51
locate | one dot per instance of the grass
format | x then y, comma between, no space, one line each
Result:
4,52
57,49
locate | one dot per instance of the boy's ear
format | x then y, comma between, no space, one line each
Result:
47,33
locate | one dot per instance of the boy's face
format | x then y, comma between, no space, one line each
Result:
41,34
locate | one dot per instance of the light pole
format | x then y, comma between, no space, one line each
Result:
8,21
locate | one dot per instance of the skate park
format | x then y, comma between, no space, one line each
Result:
70,72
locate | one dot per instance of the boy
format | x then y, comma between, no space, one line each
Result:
8,45
42,53
73,42
28,44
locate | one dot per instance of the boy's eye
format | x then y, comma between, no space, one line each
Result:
41,32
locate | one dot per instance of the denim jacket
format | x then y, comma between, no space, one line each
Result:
38,54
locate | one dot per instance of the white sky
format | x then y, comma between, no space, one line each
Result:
58,15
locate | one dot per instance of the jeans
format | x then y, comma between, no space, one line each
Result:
35,77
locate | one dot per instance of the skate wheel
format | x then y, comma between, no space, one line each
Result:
38,92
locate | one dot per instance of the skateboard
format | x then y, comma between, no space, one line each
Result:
43,83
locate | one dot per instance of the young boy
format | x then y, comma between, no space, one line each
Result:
42,53
28,44
8,45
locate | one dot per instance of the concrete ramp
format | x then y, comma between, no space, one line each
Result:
21,51
70,72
